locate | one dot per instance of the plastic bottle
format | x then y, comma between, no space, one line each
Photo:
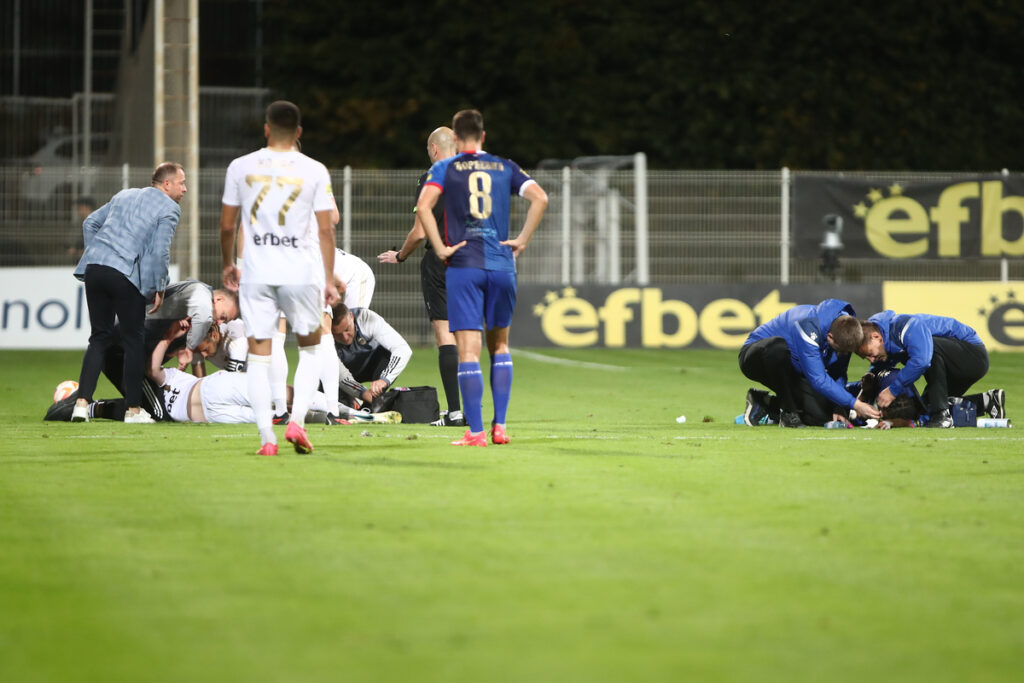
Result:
837,424
994,422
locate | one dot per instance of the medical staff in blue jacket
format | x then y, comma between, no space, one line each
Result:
802,355
949,354
125,264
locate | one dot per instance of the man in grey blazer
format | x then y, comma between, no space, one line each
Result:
127,254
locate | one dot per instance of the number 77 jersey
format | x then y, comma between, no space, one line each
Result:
277,194
477,188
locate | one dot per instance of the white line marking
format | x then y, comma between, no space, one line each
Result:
565,361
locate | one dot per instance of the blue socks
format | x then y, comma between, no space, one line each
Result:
471,384
501,385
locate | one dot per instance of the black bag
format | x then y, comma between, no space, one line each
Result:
416,404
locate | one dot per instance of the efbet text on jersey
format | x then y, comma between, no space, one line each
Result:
272,240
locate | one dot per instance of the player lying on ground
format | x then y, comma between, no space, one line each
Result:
904,409
221,397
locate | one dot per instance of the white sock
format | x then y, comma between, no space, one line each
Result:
278,374
320,402
258,380
306,377
329,371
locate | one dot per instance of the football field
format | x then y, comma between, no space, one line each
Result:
607,542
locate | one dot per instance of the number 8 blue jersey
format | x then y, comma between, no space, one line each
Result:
477,188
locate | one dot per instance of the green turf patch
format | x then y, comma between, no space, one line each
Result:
606,542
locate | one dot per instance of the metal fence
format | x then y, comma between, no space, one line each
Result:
703,228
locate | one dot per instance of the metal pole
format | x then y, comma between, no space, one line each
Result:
16,62
76,131
87,104
643,267
614,242
193,136
1004,264
601,243
346,210
125,177
566,222
158,82
784,229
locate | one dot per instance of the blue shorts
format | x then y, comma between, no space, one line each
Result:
476,295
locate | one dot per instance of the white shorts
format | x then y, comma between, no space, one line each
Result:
260,306
225,398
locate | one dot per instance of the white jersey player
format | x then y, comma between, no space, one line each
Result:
356,277
286,266
223,397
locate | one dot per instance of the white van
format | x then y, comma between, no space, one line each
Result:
52,170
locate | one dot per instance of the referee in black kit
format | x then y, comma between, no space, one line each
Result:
440,145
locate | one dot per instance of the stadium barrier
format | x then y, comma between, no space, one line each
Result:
705,228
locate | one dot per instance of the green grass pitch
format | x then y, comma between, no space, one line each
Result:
605,543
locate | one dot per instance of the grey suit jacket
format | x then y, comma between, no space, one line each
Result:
132,233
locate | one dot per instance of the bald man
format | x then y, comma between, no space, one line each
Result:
440,145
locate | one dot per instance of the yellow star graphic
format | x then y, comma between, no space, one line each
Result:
569,292
895,190
860,210
538,310
550,297
875,195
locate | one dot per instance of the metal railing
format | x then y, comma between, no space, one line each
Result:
703,227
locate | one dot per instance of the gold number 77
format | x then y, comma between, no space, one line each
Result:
266,181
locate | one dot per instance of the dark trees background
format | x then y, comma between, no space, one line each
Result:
916,85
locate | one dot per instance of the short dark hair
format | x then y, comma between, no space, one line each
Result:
468,124
338,311
283,116
869,327
165,171
847,333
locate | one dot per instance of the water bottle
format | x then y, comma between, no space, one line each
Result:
994,422
837,424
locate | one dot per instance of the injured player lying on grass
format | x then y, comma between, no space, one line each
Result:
222,398
907,409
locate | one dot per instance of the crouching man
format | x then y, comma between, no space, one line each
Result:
369,350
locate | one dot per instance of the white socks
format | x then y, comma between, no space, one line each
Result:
307,375
258,378
330,372
278,374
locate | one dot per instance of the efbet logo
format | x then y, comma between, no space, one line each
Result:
573,322
1005,320
994,310
886,217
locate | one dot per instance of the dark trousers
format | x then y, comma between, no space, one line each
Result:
109,293
956,366
768,361
113,368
